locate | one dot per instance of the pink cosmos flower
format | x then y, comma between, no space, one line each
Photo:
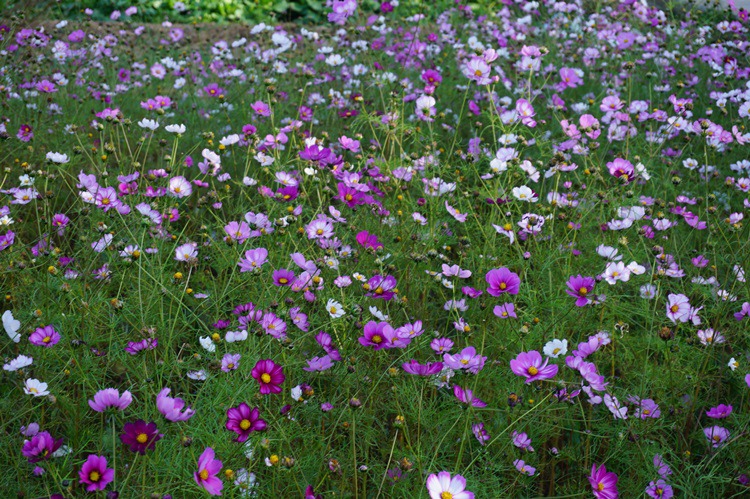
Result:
505,311
466,396
460,217
530,366
678,308
442,486
716,436
208,468
721,411
110,397
172,408
603,483
95,474
44,337
502,281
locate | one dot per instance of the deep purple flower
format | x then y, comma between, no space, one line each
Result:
580,287
140,436
529,365
95,474
243,421
270,376
502,281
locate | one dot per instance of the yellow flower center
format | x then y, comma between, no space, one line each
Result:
533,370
319,232
583,290
503,285
600,486
464,361
377,339
46,339
446,495
265,378
142,438
674,308
379,291
203,475
245,424
283,280
478,72
556,351
94,476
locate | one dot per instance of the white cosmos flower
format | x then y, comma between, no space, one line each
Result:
555,348
524,193
56,157
18,363
335,309
179,129
149,124
377,313
234,336
207,343
616,271
11,326
35,387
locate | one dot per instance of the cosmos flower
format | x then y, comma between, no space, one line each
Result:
140,436
443,486
580,287
603,483
530,366
44,336
270,376
172,408
502,281
35,387
110,398
208,468
716,436
40,447
95,474
243,421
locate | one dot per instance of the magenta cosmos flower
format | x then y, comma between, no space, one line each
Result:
443,486
109,397
40,447
243,421
502,281
208,468
603,483
95,474
716,436
44,337
270,376
580,287
171,408
140,436
530,366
